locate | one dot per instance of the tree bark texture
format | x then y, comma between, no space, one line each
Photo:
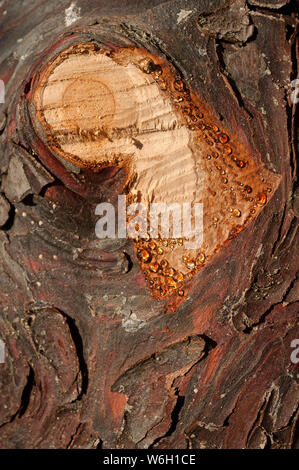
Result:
92,360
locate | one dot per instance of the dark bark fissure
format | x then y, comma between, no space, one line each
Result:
175,416
263,317
77,339
26,393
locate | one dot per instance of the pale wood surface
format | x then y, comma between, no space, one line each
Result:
127,108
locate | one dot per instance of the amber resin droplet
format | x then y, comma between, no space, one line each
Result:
241,163
190,264
223,138
144,256
170,272
170,282
152,246
164,263
179,277
237,213
154,267
261,199
200,259
178,85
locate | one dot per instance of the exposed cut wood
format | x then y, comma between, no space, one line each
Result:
128,108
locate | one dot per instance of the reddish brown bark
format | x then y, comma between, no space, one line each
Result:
92,360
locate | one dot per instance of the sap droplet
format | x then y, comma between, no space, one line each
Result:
170,272
179,277
223,138
248,189
144,256
170,282
261,199
200,259
160,251
147,65
164,263
237,213
181,293
241,163
154,267
152,245
190,264
227,150
162,291
178,85
199,114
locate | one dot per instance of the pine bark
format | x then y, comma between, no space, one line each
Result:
92,360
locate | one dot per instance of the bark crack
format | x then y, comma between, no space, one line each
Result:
77,340
261,320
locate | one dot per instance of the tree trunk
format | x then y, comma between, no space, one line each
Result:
96,355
